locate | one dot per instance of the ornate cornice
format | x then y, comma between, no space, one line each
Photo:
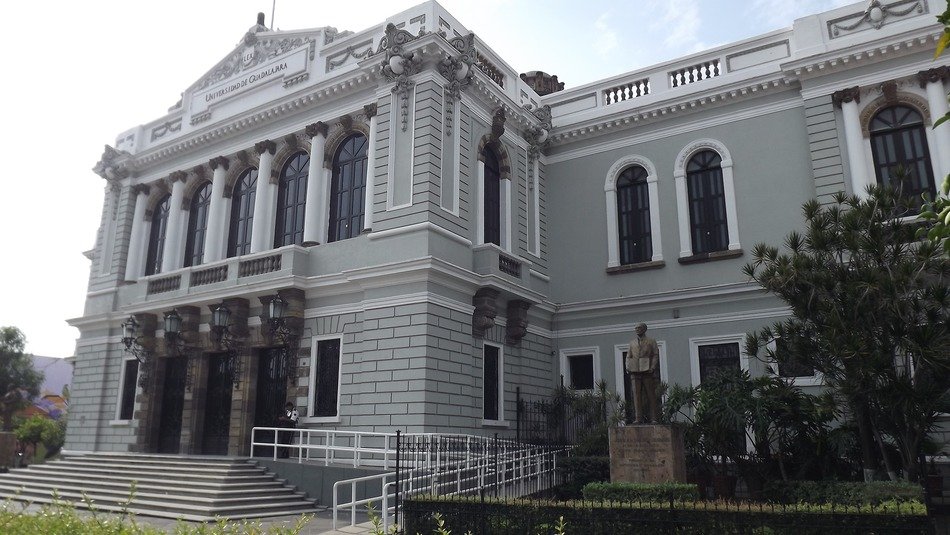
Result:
317,129
265,146
843,96
112,164
219,161
259,51
933,76
848,58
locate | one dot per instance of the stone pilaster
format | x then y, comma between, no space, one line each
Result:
847,100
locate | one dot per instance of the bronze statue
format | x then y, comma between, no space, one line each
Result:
643,375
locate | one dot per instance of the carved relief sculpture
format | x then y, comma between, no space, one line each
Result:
458,71
399,65
483,318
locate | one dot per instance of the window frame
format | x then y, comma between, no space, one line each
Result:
237,198
333,207
118,420
311,418
921,127
816,379
298,208
195,236
155,250
565,365
490,231
695,343
682,198
613,221
500,421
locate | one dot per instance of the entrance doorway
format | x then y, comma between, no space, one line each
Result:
217,421
173,403
271,394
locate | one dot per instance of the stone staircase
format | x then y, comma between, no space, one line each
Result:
170,486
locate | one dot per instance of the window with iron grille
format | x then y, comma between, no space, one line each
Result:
197,226
348,189
327,378
492,198
899,146
491,385
292,200
633,216
130,373
718,358
242,214
707,203
156,238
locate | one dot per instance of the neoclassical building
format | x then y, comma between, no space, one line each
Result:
395,230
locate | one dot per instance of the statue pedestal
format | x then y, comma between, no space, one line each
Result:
647,453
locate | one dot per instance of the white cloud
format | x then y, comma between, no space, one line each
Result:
607,39
681,23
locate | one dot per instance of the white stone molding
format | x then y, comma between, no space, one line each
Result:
501,386
370,189
505,209
265,206
173,255
311,388
480,204
534,192
314,226
138,240
682,199
217,235
620,352
564,355
610,194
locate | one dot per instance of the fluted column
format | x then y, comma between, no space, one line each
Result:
217,235
847,100
313,227
370,111
173,255
932,80
138,240
265,205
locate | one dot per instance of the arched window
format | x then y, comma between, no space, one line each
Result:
292,200
347,189
633,216
242,214
492,198
899,142
156,238
707,203
197,226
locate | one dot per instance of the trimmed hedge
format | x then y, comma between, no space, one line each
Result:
842,492
519,517
641,492
579,471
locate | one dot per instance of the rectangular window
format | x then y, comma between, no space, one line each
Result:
716,358
581,372
326,378
130,373
491,386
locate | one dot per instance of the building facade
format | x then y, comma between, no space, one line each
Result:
444,232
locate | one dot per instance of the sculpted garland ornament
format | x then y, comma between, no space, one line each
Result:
458,71
399,65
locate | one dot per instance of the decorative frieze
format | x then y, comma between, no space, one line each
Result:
876,15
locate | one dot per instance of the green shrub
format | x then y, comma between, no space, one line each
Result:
842,492
641,492
579,471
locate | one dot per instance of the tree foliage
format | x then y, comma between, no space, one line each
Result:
19,382
869,309
37,429
938,211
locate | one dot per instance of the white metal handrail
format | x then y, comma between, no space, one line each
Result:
359,448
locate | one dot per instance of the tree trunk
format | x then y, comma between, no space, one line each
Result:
865,439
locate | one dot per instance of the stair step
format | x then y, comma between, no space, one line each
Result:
146,483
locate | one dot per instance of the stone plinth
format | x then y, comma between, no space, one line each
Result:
647,454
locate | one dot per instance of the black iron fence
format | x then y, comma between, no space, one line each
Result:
561,419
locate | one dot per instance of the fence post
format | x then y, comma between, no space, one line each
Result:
518,413
495,456
398,486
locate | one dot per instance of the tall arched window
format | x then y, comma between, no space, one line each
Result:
242,214
707,203
292,200
347,189
492,198
898,141
197,226
156,238
633,216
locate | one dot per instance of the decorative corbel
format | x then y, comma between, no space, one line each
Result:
109,167
538,136
483,318
399,65
458,71
517,325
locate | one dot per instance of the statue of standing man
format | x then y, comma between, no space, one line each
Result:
643,371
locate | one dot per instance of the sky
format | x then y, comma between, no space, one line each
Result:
82,72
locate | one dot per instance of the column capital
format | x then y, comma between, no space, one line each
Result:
265,146
220,161
370,110
935,75
140,189
318,128
177,176
851,94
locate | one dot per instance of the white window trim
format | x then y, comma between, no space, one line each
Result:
575,351
619,350
682,199
118,399
871,178
500,422
610,194
694,344
504,209
311,392
814,380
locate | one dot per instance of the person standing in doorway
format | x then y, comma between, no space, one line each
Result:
287,418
